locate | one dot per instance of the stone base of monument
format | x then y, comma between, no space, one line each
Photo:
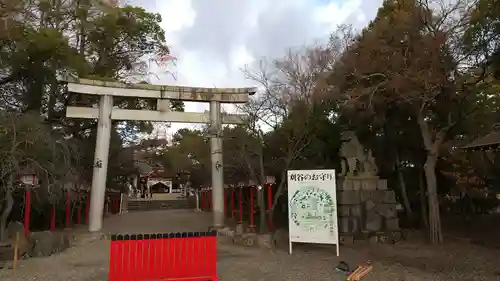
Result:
37,244
346,239
240,228
365,205
237,235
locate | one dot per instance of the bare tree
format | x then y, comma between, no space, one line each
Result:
284,107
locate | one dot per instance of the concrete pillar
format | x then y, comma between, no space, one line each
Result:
98,193
217,165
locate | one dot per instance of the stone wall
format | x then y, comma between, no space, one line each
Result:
365,205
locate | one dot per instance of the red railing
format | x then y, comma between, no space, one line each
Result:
81,206
234,200
188,256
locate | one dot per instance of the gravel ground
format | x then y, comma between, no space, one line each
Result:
406,261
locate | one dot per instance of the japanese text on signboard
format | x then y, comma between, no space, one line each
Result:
308,177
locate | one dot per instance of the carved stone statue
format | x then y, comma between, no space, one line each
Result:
355,159
369,165
350,151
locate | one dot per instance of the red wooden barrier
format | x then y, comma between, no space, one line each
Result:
187,256
27,212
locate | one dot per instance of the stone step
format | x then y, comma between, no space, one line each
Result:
136,205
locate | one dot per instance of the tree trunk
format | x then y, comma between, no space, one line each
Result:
262,210
9,202
259,177
423,200
435,234
261,192
432,146
402,186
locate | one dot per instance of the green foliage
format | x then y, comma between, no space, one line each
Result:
52,39
483,34
120,39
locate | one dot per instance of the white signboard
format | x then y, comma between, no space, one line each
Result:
312,203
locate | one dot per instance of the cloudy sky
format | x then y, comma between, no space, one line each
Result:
214,39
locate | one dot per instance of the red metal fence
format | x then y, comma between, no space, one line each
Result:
76,207
187,256
239,203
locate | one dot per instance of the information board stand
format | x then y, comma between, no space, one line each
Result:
312,203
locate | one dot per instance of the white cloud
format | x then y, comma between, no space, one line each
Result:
214,39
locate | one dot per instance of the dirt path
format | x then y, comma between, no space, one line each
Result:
89,261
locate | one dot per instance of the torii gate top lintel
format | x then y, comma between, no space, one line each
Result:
197,94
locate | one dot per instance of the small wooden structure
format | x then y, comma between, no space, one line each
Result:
487,142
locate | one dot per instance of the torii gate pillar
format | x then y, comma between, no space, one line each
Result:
217,165
100,170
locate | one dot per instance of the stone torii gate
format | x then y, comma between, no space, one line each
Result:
163,94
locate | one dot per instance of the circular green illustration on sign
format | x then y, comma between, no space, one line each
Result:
312,208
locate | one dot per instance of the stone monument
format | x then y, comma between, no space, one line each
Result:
365,205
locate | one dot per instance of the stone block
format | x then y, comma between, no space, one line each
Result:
250,229
389,196
343,184
43,243
239,229
249,239
348,225
355,211
392,224
397,236
378,196
365,195
373,239
382,184
344,210
60,241
369,184
348,197
226,231
346,239
281,239
265,241
387,210
356,185
369,205
373,222
225,239
354,225
344,224
238,240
